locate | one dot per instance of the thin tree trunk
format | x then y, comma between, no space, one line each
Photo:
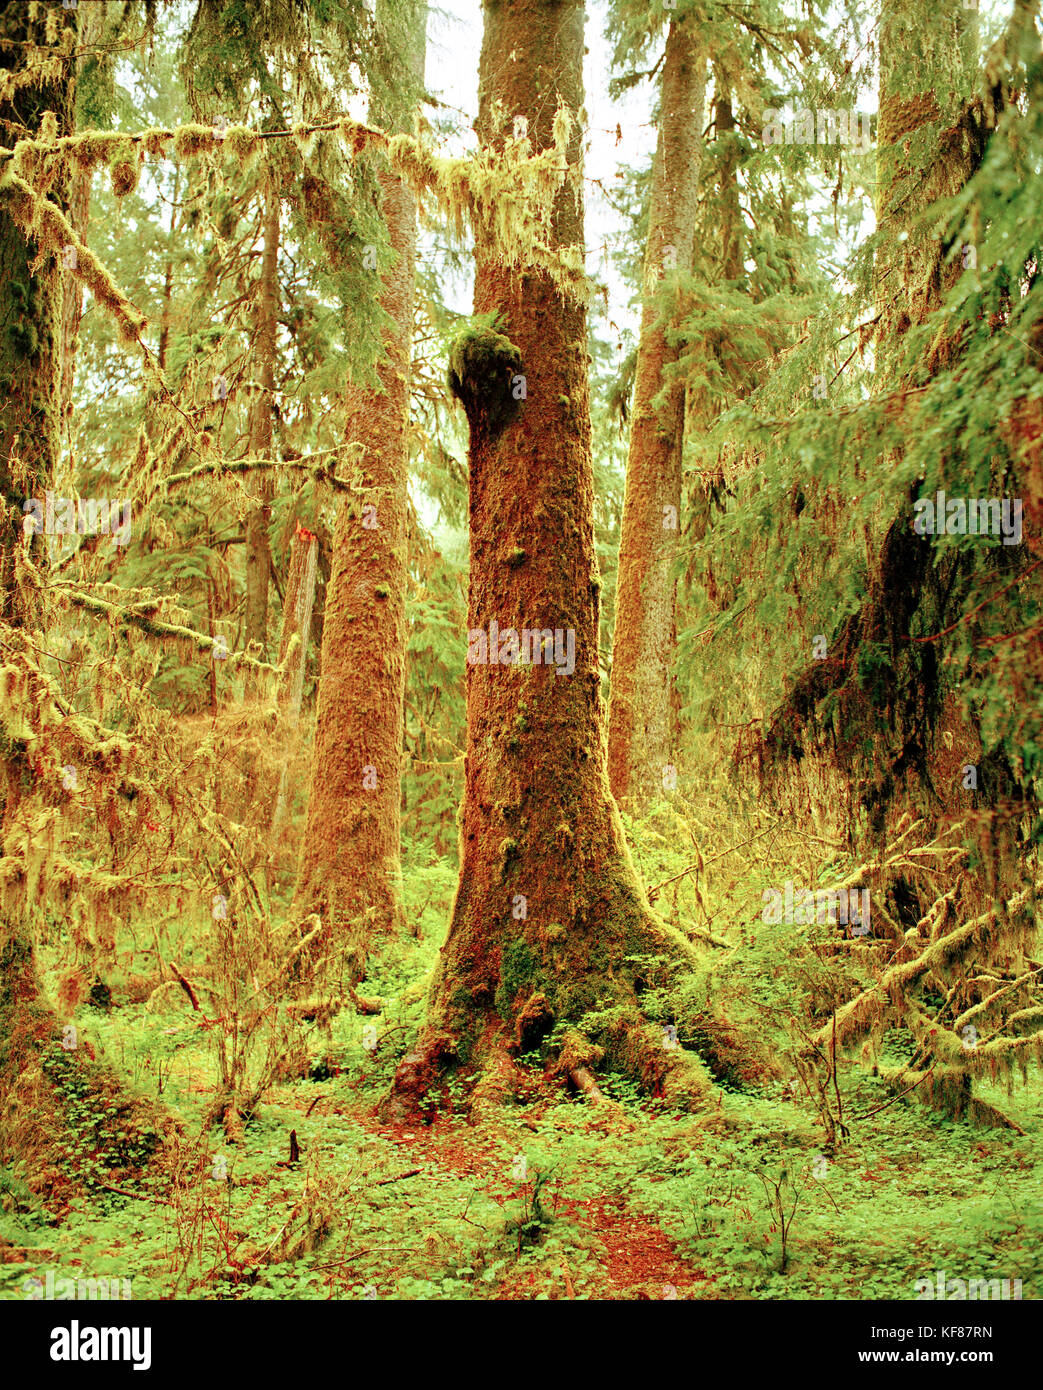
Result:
168,277
258,552
642,724
72,307
296,629
722,229
350,869
549,919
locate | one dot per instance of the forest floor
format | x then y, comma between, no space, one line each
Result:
544,1196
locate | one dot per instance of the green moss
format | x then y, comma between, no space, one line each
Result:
482,365
519,974
516,557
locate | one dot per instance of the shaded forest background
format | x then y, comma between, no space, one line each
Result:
320,907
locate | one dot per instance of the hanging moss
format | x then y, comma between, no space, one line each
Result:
243,144
123,168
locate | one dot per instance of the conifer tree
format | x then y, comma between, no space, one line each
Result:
350,869
550,934
642,711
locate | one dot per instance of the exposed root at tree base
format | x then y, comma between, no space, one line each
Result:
631,1045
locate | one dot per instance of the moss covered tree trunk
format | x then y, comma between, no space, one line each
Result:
258,550
549,920
350,868
719,251
41,1072
642,721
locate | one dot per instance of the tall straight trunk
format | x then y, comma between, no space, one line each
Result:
926,69
642,722
549,920
296,628
258,551
168,277
350,868
721,252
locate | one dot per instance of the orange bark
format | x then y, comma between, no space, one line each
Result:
549,916
350,869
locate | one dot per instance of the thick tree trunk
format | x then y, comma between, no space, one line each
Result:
350,869
642,722
258,551
550,921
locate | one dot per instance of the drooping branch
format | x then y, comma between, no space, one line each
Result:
856,1017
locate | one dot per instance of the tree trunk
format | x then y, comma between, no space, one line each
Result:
926,67
350,870
722,231
550,921
296,629
258,551
642,721
39,1076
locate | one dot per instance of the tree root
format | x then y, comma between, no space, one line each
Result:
630,1045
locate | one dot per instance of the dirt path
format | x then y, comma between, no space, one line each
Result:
636,1259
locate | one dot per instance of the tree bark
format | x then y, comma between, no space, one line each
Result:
722,230
642,709
258,550
350,870
550,921
296,628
